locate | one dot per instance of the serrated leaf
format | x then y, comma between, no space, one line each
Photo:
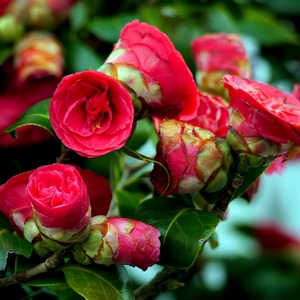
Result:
37,115
184,230
142,157
99,282
10,243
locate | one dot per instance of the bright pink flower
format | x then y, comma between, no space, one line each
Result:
59,197
117,240
38,54
212,114
146,61
139,243
16,205
270,112
264,122
195,158
296,91
217,54
91,113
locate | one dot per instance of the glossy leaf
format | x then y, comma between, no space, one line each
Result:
184,230
37,115
10,243
99,282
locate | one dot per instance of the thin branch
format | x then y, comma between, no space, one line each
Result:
164,281
21,276
64,156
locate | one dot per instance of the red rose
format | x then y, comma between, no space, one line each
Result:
195,158
212,114
91,113
16,205
148,63
268,111
217,54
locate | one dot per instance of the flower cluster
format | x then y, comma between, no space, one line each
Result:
211,131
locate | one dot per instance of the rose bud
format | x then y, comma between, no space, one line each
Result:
119,241
61,206
147,63
11,29
38,54
212,114
215,55
91,113
263,121
195,158
16,204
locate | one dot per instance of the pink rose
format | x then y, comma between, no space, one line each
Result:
217,54
91,113
263,121
194,157
146,61
139,243
17,205
212,114
117,240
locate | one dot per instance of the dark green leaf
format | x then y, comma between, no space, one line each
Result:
140,135
251,176
266,29
37,115
108,29
127,203
184,230
10,243
99,282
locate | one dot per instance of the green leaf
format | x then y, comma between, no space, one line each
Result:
37,115
99,282
142,157
81,56
127,203
251,176
184,230
108,29
10,243
265,28
140,135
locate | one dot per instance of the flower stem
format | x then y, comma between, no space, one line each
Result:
21,276
165,280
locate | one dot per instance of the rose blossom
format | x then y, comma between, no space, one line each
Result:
264,121
91,113
194,157
16,204
217,54
146,61
117,240
212,114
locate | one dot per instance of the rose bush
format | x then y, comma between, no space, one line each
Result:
146,61
91,113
